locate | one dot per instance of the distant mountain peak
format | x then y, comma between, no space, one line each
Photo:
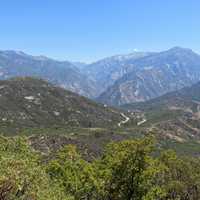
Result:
12,52
61,73
15,52
154,75
180,49
22,54
121,57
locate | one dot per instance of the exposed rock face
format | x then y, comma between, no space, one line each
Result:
105,72
153,76
64,74
115,80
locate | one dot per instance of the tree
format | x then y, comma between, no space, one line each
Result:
129,172
76,175
181,178
22,176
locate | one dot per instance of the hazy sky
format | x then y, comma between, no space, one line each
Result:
86,30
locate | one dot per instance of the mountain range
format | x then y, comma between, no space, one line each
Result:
154,75
108,70
126,96
64,74
116,80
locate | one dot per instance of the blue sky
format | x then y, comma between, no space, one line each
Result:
87,30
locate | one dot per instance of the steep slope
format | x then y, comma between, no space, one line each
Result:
64,74
34,103
153,76
173,115
173,118
106,71
80,65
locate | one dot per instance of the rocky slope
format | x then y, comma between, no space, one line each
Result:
64,74
175,115
106,71
173,118
153,76
115,80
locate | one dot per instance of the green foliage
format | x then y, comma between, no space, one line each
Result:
76,175
22,176
127,170
181,178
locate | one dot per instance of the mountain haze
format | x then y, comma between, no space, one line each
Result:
115,80
106,71
64,74
153,76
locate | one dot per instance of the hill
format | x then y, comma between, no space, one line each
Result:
34,103
175,115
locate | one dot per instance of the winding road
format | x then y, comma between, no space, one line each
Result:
141,122
126,119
